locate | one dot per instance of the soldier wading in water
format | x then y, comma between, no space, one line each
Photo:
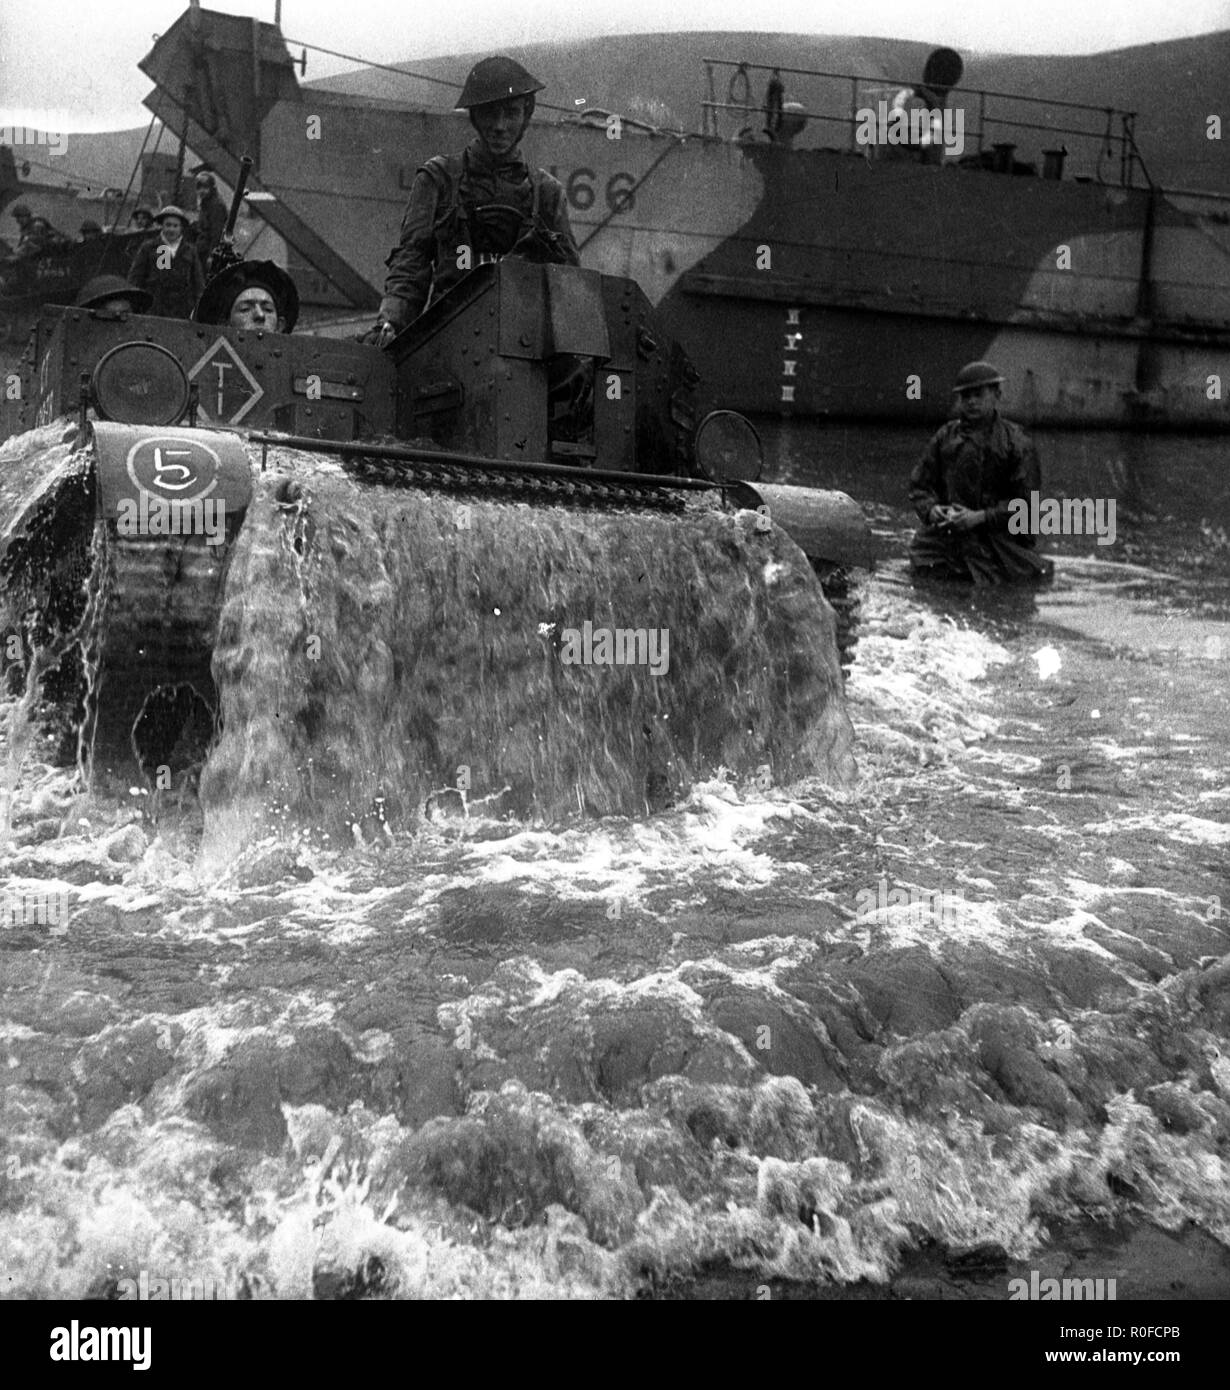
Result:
963,488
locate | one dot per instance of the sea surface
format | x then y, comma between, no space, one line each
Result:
962,1019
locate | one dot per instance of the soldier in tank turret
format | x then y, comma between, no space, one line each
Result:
963,488
256,295
486,199
112,295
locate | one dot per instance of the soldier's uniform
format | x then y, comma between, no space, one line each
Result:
175,288
476,206
38,237
211,217
982,469
481,205
470,200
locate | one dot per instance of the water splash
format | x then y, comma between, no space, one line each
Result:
380,648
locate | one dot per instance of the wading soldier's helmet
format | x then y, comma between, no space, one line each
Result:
975,375
497,79
21,213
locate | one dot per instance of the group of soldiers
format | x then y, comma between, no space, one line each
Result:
490,200
36,235
169,264
256,295
185,267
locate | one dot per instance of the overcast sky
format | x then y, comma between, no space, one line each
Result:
71,64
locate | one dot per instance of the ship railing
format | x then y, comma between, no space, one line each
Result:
993,122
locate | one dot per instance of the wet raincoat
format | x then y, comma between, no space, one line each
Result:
982,468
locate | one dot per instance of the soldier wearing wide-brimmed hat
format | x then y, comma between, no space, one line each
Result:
170,268
485,199
112,294
964,485
257,295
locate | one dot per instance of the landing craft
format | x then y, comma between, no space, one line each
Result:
1043,242
406,538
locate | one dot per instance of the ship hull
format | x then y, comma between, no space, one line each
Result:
817,284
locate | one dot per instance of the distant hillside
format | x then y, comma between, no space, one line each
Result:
1173,86
654,76
91,162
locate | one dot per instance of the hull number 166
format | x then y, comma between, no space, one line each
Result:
579,186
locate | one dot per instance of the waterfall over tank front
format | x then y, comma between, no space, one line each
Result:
355,656
380,650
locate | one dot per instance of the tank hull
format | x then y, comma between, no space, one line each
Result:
349,653
547,614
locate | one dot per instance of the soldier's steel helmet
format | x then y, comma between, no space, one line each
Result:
172,211
496,79
975,375
20,211
104,287
214,306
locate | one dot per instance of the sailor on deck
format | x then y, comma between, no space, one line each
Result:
485,201
964,485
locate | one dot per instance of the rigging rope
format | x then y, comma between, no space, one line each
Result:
402,72
740,72
111,234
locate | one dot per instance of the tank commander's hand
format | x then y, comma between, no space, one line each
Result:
381,334
391,318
